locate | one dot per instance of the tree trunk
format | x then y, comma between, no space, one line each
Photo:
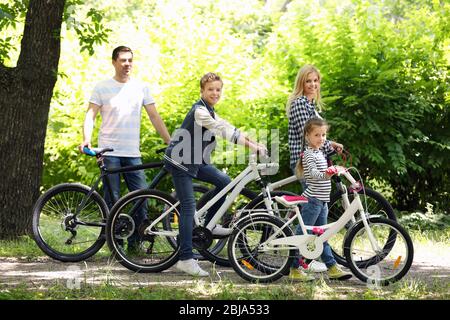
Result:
25,95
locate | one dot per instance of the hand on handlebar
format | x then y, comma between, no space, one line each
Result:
261,150
331,171
84,145
339,148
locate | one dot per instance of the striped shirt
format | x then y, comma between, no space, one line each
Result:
301,111
314,166
120,108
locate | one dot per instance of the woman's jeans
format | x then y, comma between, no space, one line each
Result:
134,180
315,213
185,193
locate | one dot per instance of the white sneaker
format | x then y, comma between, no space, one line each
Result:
221,231
317,266
191,267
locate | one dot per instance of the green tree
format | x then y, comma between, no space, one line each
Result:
25,94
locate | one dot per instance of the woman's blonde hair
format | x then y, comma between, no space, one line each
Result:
300,81
309,126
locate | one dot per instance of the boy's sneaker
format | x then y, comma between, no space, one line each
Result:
336,273
299,275
316,266
191,267
221,231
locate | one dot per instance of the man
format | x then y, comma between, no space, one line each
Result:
120,100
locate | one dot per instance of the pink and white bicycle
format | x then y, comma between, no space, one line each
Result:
378,251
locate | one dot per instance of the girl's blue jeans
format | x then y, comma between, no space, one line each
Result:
315,213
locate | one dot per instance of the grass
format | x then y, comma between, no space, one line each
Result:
410,289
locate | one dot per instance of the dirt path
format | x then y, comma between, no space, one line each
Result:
430,264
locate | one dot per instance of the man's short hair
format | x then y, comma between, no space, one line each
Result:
119,49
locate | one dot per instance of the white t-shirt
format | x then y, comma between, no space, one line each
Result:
120,108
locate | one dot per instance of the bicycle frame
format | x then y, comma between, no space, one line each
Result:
251,173
302,242
340,186
105,172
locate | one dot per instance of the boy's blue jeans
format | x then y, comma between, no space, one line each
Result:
185,193
315,213
134,180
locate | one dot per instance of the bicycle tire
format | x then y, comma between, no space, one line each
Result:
54,208
244,255
119,227
213,254
400,252
376,205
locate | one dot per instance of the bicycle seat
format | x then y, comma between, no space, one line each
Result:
290,201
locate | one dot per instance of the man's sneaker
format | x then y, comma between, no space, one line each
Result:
316,266
299,275
336,273
221,231
191,267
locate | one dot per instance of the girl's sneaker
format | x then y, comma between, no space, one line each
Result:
299,275
336,273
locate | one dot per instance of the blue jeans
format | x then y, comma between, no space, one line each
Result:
185,193
315,213
134,180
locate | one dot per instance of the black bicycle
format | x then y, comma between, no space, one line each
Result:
69,219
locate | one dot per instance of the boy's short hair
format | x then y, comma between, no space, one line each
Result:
209,77
119,49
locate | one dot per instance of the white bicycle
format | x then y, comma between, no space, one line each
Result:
263,246
374,203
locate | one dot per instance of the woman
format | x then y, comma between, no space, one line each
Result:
300,107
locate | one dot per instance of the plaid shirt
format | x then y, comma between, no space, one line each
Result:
301,111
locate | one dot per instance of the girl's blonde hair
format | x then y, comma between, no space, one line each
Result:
300,81
309,126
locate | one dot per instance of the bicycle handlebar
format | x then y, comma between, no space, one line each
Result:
94,152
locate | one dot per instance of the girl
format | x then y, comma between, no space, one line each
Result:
313,166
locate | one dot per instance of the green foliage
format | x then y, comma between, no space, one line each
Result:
385,101
430,220
90,28
385,80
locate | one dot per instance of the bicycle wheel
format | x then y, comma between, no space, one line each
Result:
217,252
64,227
383,266
154,253
377,205
249,259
